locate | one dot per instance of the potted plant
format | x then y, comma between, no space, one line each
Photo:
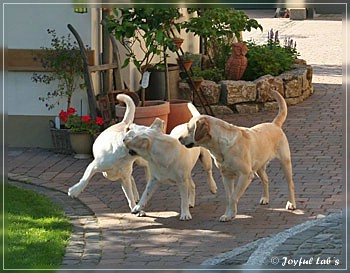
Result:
185,61
219,28
147,29
82,130
63,72
63,65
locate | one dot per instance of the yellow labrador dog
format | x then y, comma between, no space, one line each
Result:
240,152
169,161
112,158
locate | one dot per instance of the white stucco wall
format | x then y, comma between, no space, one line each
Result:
25,27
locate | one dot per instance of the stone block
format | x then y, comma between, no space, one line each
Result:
185,91
268,106
297,13
237,91
294,101
211,90
265,84
219,110
294,82
247,108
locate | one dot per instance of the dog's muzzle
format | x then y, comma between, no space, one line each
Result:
189,145
132,152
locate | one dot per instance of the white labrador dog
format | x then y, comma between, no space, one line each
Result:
240,152
112,158
169,161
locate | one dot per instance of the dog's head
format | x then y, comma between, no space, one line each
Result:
137,138
196,133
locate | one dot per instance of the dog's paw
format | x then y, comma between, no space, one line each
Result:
264,201
136,209
73,192
141,214
225,218
290,206
185,216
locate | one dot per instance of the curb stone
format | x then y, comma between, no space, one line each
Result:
84,244
258,252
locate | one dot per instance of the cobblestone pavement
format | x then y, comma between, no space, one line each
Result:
314,129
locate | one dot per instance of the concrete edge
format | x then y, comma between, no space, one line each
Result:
264,247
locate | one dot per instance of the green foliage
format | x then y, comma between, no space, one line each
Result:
64,65
146,27
36,231
270,58
212,74
218,28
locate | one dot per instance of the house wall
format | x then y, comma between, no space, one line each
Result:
25,27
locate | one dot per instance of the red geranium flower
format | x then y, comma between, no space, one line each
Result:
85,118
63,116
71,111
99,121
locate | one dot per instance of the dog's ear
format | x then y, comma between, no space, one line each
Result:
140,143
158,124
202,129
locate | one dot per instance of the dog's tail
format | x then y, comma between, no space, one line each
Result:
130,108
193,110
282,113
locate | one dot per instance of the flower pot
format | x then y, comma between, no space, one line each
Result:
197,83
177,42
81,144
237,62
145,115
156,89
179,114
185,64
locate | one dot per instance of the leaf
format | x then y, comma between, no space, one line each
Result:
126,63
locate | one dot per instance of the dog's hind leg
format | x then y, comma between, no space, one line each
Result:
207,164
264,200
134,190
127,186
285,160
75,190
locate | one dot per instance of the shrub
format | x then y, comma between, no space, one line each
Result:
270,58
212,74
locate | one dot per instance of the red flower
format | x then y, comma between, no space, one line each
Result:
71,111
99,121
85,118
63,116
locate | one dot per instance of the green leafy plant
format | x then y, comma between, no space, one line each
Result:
147,28
270,58
64,65
211,74
80,123
218,29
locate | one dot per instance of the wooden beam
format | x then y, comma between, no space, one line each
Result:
22,60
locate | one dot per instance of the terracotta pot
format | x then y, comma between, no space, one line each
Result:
185,64
197,83
81,144
237,62
145,115
179,114
177,42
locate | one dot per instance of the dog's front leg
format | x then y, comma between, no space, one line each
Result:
228,182
151,186
242,184
184,193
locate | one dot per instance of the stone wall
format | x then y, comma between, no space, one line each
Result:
253,96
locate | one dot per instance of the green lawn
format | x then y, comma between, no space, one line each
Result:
36,230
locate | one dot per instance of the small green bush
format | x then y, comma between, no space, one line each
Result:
212,74
270,58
